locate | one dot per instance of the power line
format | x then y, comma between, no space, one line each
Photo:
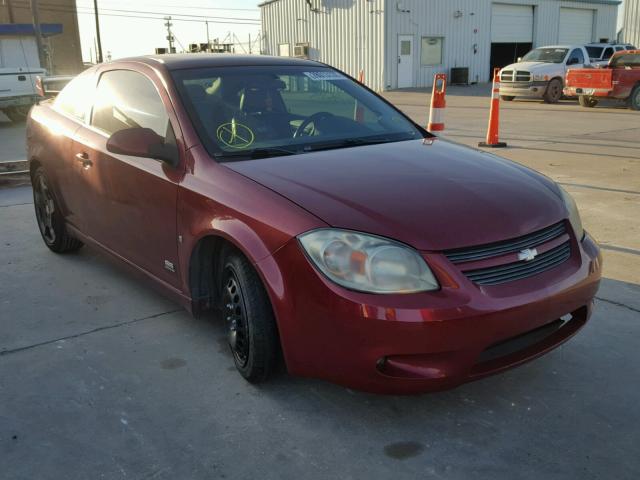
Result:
198,19
191,7
147,12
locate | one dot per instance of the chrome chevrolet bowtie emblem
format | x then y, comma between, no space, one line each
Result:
527,254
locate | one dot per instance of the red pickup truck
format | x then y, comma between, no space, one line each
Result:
620,79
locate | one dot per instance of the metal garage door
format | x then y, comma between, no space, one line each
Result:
576,26
511,23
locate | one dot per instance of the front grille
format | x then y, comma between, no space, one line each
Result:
534,239
515,76
523,269
508,272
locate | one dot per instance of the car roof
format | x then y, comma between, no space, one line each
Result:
179,61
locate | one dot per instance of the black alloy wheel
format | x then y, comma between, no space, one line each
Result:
49,218
236,318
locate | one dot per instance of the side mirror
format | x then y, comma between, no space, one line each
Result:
572,61
143,142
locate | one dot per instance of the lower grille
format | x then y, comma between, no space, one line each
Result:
523,269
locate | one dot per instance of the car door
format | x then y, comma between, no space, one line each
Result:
73,105
131,202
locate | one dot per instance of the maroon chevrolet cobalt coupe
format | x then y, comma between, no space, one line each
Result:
327,227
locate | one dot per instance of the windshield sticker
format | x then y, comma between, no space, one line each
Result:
328,76
235,135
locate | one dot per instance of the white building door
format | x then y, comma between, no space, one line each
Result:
511,23
576,26
405,61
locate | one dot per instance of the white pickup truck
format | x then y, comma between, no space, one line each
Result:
541,72
18,91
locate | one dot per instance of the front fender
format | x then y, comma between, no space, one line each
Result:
216,202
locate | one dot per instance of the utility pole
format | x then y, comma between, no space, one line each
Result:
208,41
38,32
170,38
99,57
12,19
250,44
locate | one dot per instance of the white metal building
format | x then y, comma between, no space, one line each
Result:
631,26
403,43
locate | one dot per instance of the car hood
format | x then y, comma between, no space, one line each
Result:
533,66
433,195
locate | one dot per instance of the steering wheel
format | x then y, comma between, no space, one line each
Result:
311,119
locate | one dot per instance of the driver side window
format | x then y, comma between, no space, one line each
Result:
127,99
576,57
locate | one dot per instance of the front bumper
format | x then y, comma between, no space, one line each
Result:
429,341
523,89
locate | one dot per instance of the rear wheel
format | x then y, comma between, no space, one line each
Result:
588,102
507,98
553,94
17,114
251,327
50,222
634,99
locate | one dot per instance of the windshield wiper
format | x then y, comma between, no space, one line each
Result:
354,142
256,153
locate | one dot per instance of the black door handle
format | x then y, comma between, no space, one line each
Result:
83,157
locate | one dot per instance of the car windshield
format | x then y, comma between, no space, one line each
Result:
595,52
262,111
546,55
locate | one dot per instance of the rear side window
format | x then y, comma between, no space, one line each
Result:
608,53
75,99
127,99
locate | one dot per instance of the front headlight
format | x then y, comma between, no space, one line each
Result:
367,263
540,78
574,214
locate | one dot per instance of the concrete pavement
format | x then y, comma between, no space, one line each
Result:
100,377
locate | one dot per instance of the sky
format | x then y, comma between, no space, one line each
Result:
125,34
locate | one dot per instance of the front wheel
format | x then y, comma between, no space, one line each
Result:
553,94
634,99
251,327
588,102
50,221
507,98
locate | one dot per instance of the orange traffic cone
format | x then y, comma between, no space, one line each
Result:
494,115
361,76
438,103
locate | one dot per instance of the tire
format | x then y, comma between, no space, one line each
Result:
50,222
587,102
251,327
553,93
634,99
17,114
507,98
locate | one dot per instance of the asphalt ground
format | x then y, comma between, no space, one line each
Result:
100,377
